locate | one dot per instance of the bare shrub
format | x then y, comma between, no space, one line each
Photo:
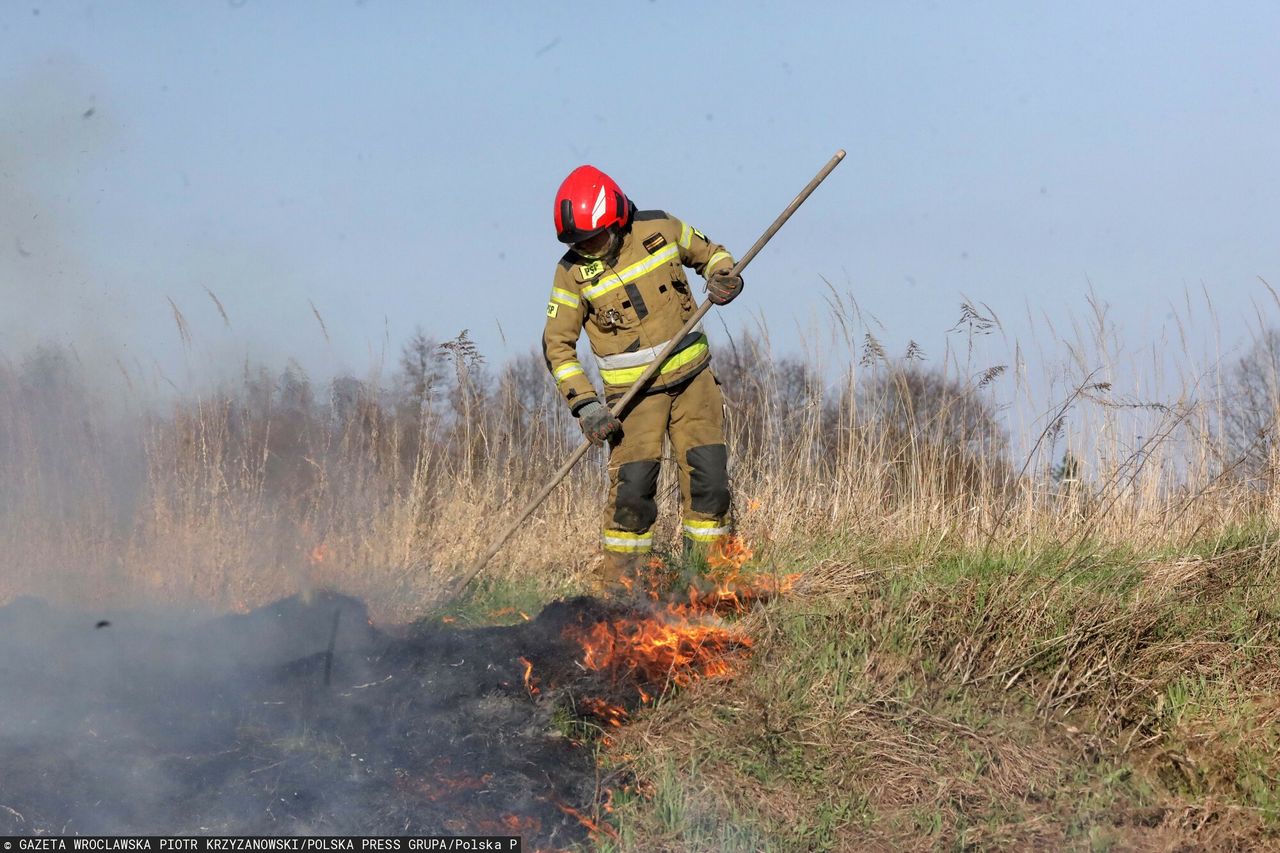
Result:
766,395
1251,409
922,406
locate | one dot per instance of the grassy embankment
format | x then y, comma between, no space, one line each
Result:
948,700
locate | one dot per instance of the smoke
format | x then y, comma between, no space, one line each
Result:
110,721
81,389
296,718
55,136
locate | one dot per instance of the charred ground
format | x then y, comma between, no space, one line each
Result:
155,722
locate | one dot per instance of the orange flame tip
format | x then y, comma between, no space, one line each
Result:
528,676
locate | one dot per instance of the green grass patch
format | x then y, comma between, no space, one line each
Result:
980,701
495,601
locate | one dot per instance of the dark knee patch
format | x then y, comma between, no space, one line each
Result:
709,479
634,507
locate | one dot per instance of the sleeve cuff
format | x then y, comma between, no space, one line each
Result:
580,403
713,265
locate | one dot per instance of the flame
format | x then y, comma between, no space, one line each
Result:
659,649
606,712
729,552
646,653
651,578
319,554
528,677
732,594
727,588
594,829
724,589
508,611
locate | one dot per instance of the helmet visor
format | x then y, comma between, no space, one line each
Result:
598,245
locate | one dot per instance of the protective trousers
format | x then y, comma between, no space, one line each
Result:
692,414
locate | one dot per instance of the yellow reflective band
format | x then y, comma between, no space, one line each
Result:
715,259
631,273
567,371
621,540
704,531
686,234
628,375
640,357
564,297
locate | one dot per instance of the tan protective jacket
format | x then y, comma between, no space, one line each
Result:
631,308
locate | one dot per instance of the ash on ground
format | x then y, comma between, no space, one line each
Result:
147,723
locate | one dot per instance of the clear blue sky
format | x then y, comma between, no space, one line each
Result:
395,163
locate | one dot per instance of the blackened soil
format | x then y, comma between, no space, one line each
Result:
152,723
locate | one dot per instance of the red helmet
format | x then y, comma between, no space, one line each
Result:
588,202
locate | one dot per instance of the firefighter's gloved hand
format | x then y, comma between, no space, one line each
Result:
597,422
723,287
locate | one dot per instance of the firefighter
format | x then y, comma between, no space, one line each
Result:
623,279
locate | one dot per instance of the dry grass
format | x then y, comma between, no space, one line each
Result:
388,486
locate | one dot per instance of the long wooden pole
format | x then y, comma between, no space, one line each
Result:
643,381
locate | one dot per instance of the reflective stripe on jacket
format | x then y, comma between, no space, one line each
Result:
631,306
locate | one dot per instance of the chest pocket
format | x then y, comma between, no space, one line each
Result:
613,311
660,293
680,284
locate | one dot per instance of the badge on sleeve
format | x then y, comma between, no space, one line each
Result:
700,234
552,309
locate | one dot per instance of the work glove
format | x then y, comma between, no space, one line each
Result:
597,422
723,286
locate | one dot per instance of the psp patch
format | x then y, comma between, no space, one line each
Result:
654,242
592,269
552,309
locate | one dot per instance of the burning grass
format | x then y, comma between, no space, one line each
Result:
640,652
302,717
